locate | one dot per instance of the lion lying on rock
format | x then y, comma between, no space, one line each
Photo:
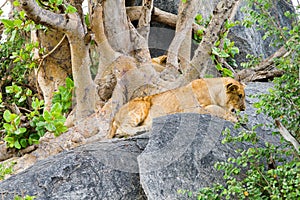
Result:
218,96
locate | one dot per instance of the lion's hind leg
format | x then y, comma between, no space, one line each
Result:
130,117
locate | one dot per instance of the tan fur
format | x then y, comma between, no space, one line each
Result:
217,96
159,63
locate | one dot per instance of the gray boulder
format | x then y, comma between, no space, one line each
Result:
103,170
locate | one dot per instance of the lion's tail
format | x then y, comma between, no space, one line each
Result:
112,129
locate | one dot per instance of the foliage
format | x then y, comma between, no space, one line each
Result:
285,94
266,171
52,121
27,197
57,6
16,56
24,120
224,48
64,95
247,176
19,136
5,169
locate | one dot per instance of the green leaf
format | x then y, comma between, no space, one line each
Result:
23,98
17,144
50,127
9,89
16,119
23,143
7,23
59,2
13,35
70,9
8,127
18,22
16,3
56,109
234,51
9,140
22,14
227,72
47,116
28,92
219,67
69,83
7,116
21,130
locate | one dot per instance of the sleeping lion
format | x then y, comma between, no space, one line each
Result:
221,97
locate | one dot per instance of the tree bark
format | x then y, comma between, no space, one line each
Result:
144,21
187,13
265,70
116,26
199,62
72,25
56,65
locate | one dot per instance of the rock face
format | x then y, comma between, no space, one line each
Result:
106,170
248,40
179,153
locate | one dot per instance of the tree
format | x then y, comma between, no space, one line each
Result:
123,47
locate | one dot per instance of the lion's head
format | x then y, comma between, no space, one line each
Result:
235,94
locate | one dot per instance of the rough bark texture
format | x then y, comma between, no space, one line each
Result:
187,13
72,25
56,67
116,26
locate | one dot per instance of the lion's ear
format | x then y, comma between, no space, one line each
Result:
232,87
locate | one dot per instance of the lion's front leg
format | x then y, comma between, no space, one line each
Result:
221,112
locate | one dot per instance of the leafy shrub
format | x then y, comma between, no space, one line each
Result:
272,171
5,169
24,120
248,177
64,95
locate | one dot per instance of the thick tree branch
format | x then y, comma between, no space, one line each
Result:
249,75
144,21
187,13
270,60
287,136
116,26
264,70
46,17
223,11
158,15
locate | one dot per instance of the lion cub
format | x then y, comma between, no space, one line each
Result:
217,96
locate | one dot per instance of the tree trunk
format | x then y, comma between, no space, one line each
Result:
55,64
116,26
73,27
187,13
